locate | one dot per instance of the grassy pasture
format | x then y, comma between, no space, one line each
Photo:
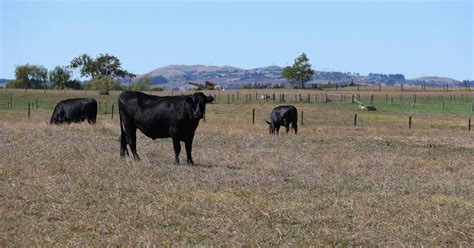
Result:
334,184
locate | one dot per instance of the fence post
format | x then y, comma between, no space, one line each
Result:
106,107
472,106
414,100
28,110
253,116
409,122
112,111
355,120
232,97
371,98
36,103
469,125
11,102
228,98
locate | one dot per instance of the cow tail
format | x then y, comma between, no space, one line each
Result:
294,123
122,130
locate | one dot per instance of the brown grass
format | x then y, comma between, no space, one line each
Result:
333,184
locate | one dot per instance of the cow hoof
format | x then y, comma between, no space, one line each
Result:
190,162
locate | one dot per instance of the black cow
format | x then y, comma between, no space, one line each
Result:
75,110
283,116
160,117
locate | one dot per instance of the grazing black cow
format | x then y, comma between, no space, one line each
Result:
283,116
160,117
75,110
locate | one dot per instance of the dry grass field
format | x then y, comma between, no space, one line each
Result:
332,184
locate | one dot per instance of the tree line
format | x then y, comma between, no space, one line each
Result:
103,73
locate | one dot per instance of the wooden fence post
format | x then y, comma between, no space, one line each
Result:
28,110
302,118
409,122
36,103
228,98
355,120
253,116
469,125
106,107
112,111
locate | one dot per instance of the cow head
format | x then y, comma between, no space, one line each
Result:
271,127
198,100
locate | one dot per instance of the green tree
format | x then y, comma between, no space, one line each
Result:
103,71
29,76
300,72
104,65
60,77
103,85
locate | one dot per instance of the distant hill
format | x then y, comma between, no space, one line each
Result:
175,76
178,77
436,80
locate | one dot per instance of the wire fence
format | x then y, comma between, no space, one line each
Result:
450,103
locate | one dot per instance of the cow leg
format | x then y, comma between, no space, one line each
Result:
295,127
287,128
132,141
123,145
189,146
91,120
277,129
177,149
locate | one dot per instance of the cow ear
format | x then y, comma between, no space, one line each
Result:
209,99
267,122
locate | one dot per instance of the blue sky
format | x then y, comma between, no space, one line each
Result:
415,38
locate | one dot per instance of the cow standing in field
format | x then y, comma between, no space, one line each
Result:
283,116
75,110
175,117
